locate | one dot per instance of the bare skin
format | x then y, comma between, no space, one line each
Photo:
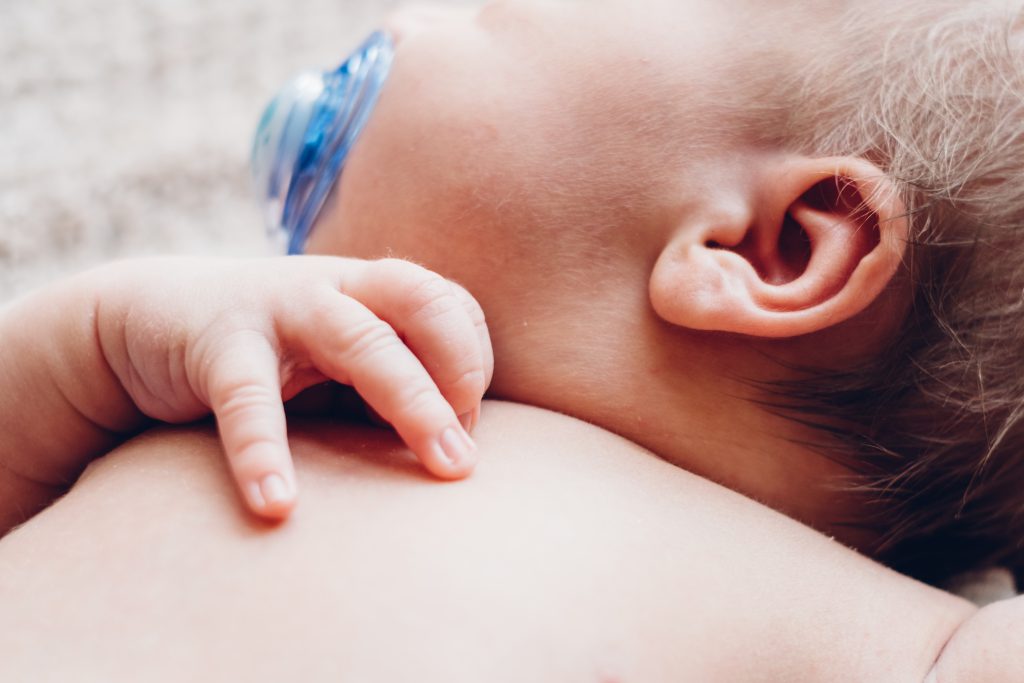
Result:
626,289
570,555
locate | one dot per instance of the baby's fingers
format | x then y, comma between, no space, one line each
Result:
438,320
353,346
244,390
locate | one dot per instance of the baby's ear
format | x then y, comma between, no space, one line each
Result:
810,244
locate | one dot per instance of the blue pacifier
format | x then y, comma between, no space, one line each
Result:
306,133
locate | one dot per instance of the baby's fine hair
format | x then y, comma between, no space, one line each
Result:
934,426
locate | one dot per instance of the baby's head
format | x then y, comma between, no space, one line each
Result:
773,242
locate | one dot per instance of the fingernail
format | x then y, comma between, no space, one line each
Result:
255,497
456,445
274,490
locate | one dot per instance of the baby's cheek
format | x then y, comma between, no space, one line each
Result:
325,233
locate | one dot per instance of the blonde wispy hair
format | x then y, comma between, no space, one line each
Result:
934,425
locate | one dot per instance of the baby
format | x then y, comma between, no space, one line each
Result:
776,252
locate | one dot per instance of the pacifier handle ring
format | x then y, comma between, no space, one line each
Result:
306,134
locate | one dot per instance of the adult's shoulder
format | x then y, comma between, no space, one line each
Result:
570,554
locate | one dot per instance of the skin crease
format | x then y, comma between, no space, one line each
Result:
548,155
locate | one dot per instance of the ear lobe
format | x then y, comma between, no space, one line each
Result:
819,241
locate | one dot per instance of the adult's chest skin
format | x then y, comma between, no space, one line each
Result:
569,555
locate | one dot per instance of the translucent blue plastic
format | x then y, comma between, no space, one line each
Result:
306,133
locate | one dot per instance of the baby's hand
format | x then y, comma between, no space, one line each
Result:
190,336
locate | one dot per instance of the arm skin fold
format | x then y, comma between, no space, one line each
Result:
61,404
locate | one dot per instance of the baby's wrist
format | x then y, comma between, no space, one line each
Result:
62,407
52,337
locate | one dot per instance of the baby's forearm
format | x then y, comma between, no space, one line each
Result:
61,404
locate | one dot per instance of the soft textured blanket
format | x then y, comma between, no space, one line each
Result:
125,126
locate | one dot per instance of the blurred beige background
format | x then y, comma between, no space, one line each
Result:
125,124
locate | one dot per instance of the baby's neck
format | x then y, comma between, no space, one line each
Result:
689,408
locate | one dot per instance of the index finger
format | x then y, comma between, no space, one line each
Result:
243,388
